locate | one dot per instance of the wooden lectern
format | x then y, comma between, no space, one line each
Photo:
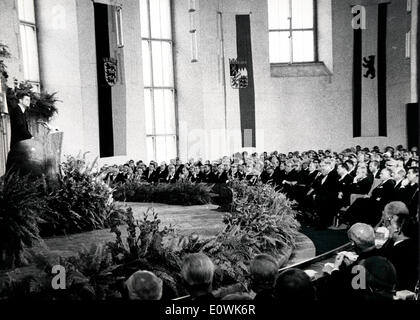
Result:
38,156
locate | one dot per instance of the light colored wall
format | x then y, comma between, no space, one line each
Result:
68,64
294,113
60,65
9,35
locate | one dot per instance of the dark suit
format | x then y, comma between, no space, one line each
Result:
18,125
326,198
221,177
337,286
404,257
239,175
362,186
208,178
162,174
152,177
369,210
344,186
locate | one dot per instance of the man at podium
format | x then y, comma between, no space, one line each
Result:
18,121
18,124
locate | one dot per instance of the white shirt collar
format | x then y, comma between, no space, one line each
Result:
22,108
399,241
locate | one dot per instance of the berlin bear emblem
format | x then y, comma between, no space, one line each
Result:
369,64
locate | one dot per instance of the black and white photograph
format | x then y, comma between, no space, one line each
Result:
211,156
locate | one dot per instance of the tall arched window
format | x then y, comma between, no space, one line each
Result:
29,43
158,75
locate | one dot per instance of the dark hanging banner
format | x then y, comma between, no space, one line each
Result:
246,93
104,70
382,19
357,83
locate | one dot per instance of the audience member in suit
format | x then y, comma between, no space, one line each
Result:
294,286
240,174
374,169
123,175
407,159
178,168
409,190
344,184
338,284
403,250
369,209
281,173
263,270
208,176
151,174
362,182
162,171
381,280
269,177
352,168
195,175
399,177
197,272
184,176
144,285
312,173
326,195
170,178
221,175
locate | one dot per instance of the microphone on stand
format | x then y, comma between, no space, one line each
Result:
46,126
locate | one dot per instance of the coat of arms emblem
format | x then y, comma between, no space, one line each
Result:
111,71
238,74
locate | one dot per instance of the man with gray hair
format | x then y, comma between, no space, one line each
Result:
363,238
391,209
339,283
197,272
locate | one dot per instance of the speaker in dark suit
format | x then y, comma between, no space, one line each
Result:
18,121
18,125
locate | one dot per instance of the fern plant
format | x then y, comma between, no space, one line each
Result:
81,201
180,193
21,207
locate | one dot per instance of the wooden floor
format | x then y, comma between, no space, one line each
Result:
204,220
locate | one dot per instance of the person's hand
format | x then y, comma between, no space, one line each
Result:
339,259
340,195
405,182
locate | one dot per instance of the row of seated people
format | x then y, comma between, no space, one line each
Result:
360,190
390,271
358,181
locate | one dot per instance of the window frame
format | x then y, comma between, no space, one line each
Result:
152,87
291,30
36,84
